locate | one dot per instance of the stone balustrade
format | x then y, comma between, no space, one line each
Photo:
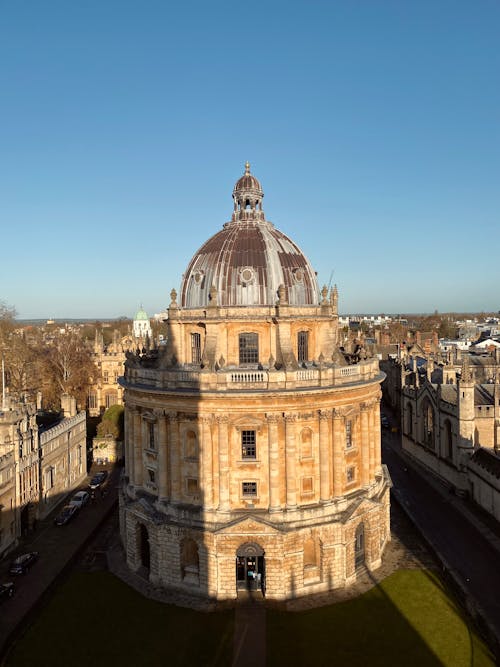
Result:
245,379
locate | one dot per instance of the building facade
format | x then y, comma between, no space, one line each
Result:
39,466
252,440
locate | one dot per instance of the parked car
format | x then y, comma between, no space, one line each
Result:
80,499
23,563
98,480
65,515
6,590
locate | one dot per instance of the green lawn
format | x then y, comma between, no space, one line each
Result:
407,620
94,619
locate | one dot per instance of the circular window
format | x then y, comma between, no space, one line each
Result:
246,274
298,275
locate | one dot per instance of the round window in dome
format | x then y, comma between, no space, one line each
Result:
298,274
198,277
246,275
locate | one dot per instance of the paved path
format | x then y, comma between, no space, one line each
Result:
249,641
58,547
466,541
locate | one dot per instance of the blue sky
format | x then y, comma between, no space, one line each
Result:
372,126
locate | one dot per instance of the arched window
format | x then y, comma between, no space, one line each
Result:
144,549
448,440
111,399
249,348
428,435
359,545
190,561
409,419
303,346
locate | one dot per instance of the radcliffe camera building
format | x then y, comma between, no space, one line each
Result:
252,440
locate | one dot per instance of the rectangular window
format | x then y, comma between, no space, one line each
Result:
92,401
249,348
348,434
351,474
105,377
195,348
151,428
249,489
302,347
191,486
248,445
151,476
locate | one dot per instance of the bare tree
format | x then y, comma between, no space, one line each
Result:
68,368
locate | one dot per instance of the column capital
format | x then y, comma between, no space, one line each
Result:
206,419
273,418
325,414
290,417
222,419
338,413
173,416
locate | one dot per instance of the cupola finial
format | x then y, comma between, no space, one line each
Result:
247,167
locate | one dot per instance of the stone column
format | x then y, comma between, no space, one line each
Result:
274,463
290,460
365,446
324,455
175,459
224,504
206,482
163,462
338,453
372,438
129,444
378,434
138,463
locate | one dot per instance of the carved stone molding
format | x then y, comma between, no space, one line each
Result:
326,414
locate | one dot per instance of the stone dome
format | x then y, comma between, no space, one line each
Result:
248,260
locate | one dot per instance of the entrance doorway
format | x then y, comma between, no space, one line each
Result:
250,568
